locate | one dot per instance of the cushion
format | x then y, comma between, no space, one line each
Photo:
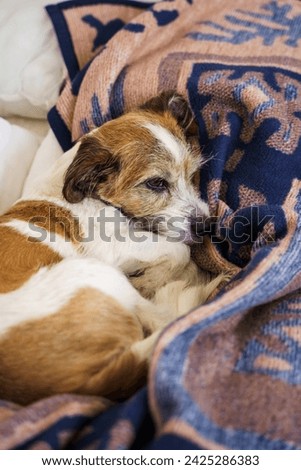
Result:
32,67
17,149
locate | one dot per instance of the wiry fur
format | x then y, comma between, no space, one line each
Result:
79,314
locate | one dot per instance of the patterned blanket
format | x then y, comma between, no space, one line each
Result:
227,375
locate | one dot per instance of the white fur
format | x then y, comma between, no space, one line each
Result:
126,255
129,271
56,242
47,291
183,205
148,249
186,199
180,299
167,140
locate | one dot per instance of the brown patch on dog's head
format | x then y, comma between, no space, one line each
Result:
92,166
169,102
143,163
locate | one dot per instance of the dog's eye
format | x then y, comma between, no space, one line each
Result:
157,184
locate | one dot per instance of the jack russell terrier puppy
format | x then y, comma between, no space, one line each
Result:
81,302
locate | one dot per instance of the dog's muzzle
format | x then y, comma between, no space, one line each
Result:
202,225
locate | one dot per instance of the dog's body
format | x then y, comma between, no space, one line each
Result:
82,303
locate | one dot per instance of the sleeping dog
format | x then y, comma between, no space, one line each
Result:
81,302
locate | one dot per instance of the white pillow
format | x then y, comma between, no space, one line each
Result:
17,149
48,152
32,68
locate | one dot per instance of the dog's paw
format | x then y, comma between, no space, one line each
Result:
150,278
216,284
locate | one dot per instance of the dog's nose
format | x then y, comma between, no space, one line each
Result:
201,225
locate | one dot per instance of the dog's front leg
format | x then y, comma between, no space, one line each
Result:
153,262
148,259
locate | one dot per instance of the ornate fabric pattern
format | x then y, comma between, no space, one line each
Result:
226,375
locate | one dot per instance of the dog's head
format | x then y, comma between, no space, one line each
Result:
146,163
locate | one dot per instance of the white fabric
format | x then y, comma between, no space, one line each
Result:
31,67
17,149
47,154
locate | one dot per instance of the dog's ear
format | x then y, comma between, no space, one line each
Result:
178,106
92,165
